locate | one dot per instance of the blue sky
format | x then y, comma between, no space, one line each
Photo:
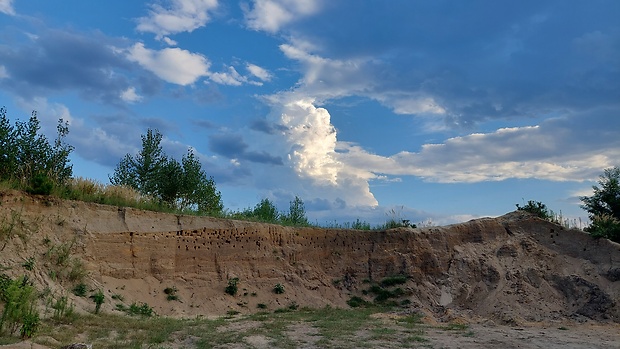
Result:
436,110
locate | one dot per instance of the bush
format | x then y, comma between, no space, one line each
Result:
171,293
394,280
278,289
140,309
80,290
605,226
537,208
20,311
355,302
231,288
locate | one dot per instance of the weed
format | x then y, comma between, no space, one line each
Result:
118,297
80,290
99,299
233,312
29,264
261,306
62,309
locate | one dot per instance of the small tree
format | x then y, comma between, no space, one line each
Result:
296,214
266,211
27,157
603,206
177,185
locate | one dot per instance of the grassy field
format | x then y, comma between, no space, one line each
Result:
284,328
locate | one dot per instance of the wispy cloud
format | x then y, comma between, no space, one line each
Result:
6,7
179,16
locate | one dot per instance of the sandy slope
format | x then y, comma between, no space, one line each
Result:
512,270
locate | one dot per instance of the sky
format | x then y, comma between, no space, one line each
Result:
434,111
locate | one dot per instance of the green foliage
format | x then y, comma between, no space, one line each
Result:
62,309
20,312
80,290
28,158
266,211
278,288
231,288
182,186
29,264
171,293
297,214
356,302
605,226
142,309
603,206
99,299
261,306
393,280
537,208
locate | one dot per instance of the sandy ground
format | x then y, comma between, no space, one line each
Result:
567,336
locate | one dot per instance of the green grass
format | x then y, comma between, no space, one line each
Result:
326,328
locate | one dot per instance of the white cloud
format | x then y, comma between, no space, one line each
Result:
6,7
271,15
169,41
130,95
232,77
259,72
180,16
553,151
3,72
308,141
173,65
326,78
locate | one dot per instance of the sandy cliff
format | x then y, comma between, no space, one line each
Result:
511,269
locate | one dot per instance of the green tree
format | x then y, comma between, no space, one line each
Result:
603,206
266,211
296,214
27,157
198,189
8,147
177,185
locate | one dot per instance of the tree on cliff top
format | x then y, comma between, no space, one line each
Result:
29,159
604,206
181,185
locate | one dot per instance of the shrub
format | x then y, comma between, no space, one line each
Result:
232,288
140,309
394,280
261,306
278,288
20,311
171,293
80,290
605,226
537,208
355,302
